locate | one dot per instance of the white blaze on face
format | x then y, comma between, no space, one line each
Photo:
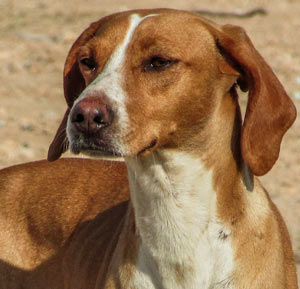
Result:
110,82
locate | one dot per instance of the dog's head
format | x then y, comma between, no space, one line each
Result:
139,80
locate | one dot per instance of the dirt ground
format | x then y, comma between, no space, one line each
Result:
35,37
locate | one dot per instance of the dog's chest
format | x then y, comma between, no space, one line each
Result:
183,245
209,267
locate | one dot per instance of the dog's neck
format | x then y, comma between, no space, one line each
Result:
174,203
172,196
167,183
176,199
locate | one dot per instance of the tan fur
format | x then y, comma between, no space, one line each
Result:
47,210
70,224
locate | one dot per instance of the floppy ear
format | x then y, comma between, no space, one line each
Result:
270,111
60,143
73,85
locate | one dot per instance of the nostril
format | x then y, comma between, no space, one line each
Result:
98,119
79,118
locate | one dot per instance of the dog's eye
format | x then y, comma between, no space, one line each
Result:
157,63
88,63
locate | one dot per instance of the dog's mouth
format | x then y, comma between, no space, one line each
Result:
152,146
103,150
93,149
103,146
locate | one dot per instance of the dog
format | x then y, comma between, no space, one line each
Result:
159,89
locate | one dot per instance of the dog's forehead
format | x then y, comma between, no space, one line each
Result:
177,27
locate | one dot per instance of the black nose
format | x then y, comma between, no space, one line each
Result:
91,114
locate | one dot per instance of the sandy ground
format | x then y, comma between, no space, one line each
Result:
35,37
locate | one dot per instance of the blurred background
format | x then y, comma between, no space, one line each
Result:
35,37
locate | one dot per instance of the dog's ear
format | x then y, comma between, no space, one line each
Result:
60,143
73,85
270,111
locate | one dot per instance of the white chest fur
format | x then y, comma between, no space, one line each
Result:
183,244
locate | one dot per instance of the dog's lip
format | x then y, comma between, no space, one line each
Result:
101,153
96,151
92,148
149,147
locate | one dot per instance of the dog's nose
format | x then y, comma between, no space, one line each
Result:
91,114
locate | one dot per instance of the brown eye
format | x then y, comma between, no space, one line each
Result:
89,63
157,63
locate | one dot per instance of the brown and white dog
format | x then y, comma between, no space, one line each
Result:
158,88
